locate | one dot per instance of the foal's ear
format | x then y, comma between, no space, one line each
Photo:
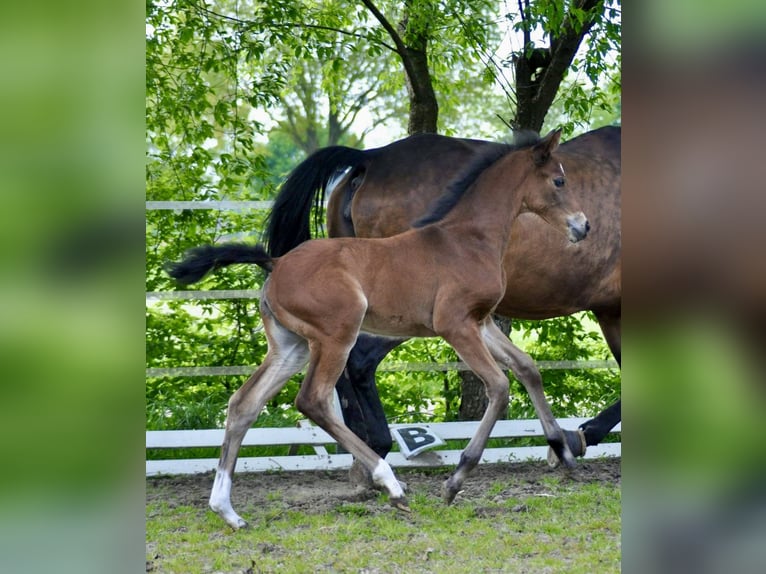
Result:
546,146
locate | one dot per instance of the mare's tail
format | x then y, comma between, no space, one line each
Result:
289,222
201,260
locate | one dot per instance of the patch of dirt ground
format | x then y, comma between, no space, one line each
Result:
320,491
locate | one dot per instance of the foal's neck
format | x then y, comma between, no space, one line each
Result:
487,211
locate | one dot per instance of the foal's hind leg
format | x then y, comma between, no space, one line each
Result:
360,401
525,370
287,355
315,400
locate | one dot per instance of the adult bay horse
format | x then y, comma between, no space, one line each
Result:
320,295
386,189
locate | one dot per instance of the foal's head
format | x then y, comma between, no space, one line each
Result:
546,193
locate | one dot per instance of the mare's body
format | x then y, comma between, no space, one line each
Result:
386,189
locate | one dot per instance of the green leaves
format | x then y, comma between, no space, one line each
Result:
582,392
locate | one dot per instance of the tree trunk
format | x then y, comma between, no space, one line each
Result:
473,399
424,109
412,48
540,71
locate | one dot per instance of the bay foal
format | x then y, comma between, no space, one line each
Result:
442,278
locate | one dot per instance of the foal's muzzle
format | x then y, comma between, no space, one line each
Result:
577,226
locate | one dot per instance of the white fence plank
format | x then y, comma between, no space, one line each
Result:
312,435
316,437
427,459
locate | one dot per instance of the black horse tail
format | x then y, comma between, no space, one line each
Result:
200,260
288,224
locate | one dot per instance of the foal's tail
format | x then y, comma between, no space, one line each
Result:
201,260
289,223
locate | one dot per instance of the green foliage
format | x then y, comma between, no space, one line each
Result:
571,392
591,91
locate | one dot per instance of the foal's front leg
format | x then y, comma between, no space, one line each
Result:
525,370
469,345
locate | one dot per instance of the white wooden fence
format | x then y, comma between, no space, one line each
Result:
307,434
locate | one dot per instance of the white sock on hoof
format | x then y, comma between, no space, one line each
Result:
384,476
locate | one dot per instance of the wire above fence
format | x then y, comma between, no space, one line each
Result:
384,367
219,205
154,296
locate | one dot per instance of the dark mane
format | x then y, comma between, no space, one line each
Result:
460,185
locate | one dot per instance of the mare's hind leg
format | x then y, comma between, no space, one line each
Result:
315,401
468,343
360,401
525,370
287,355
598,427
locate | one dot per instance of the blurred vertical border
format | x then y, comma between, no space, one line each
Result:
694,202
71,280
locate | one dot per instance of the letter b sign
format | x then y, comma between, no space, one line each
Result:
413,439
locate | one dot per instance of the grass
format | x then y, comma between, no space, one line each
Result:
558,526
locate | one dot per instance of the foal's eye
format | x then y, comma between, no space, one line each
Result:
559,181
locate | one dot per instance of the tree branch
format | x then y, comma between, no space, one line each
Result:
564,47
401,47
536,95
250,24
523,11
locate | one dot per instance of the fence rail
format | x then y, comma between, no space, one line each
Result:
218,205
384,367
309,435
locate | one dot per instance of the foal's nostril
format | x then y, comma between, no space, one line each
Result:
578,227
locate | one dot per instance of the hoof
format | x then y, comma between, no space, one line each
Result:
400,504
449,492
236,523
576,443
359,476
230,517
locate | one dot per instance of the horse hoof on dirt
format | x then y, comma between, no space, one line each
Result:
400,504
229,516
576,442
359,476
449,492
237,523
